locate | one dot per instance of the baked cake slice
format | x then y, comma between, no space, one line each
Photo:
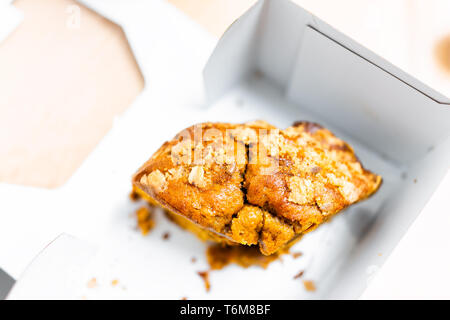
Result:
253,184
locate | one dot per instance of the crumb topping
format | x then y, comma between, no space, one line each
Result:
155,180
301,190
197,177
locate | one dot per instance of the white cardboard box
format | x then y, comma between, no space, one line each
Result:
278,63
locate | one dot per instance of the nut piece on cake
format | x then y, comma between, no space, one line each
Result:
253,184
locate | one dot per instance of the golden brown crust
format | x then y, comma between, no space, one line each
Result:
254,184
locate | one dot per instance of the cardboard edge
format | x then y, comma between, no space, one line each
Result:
378,61
229,32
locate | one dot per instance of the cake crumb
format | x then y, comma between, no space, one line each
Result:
299,275
166,235
134,196
115,282
295,255
309,285
184,298
145,220
193,259
205,276
92,283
